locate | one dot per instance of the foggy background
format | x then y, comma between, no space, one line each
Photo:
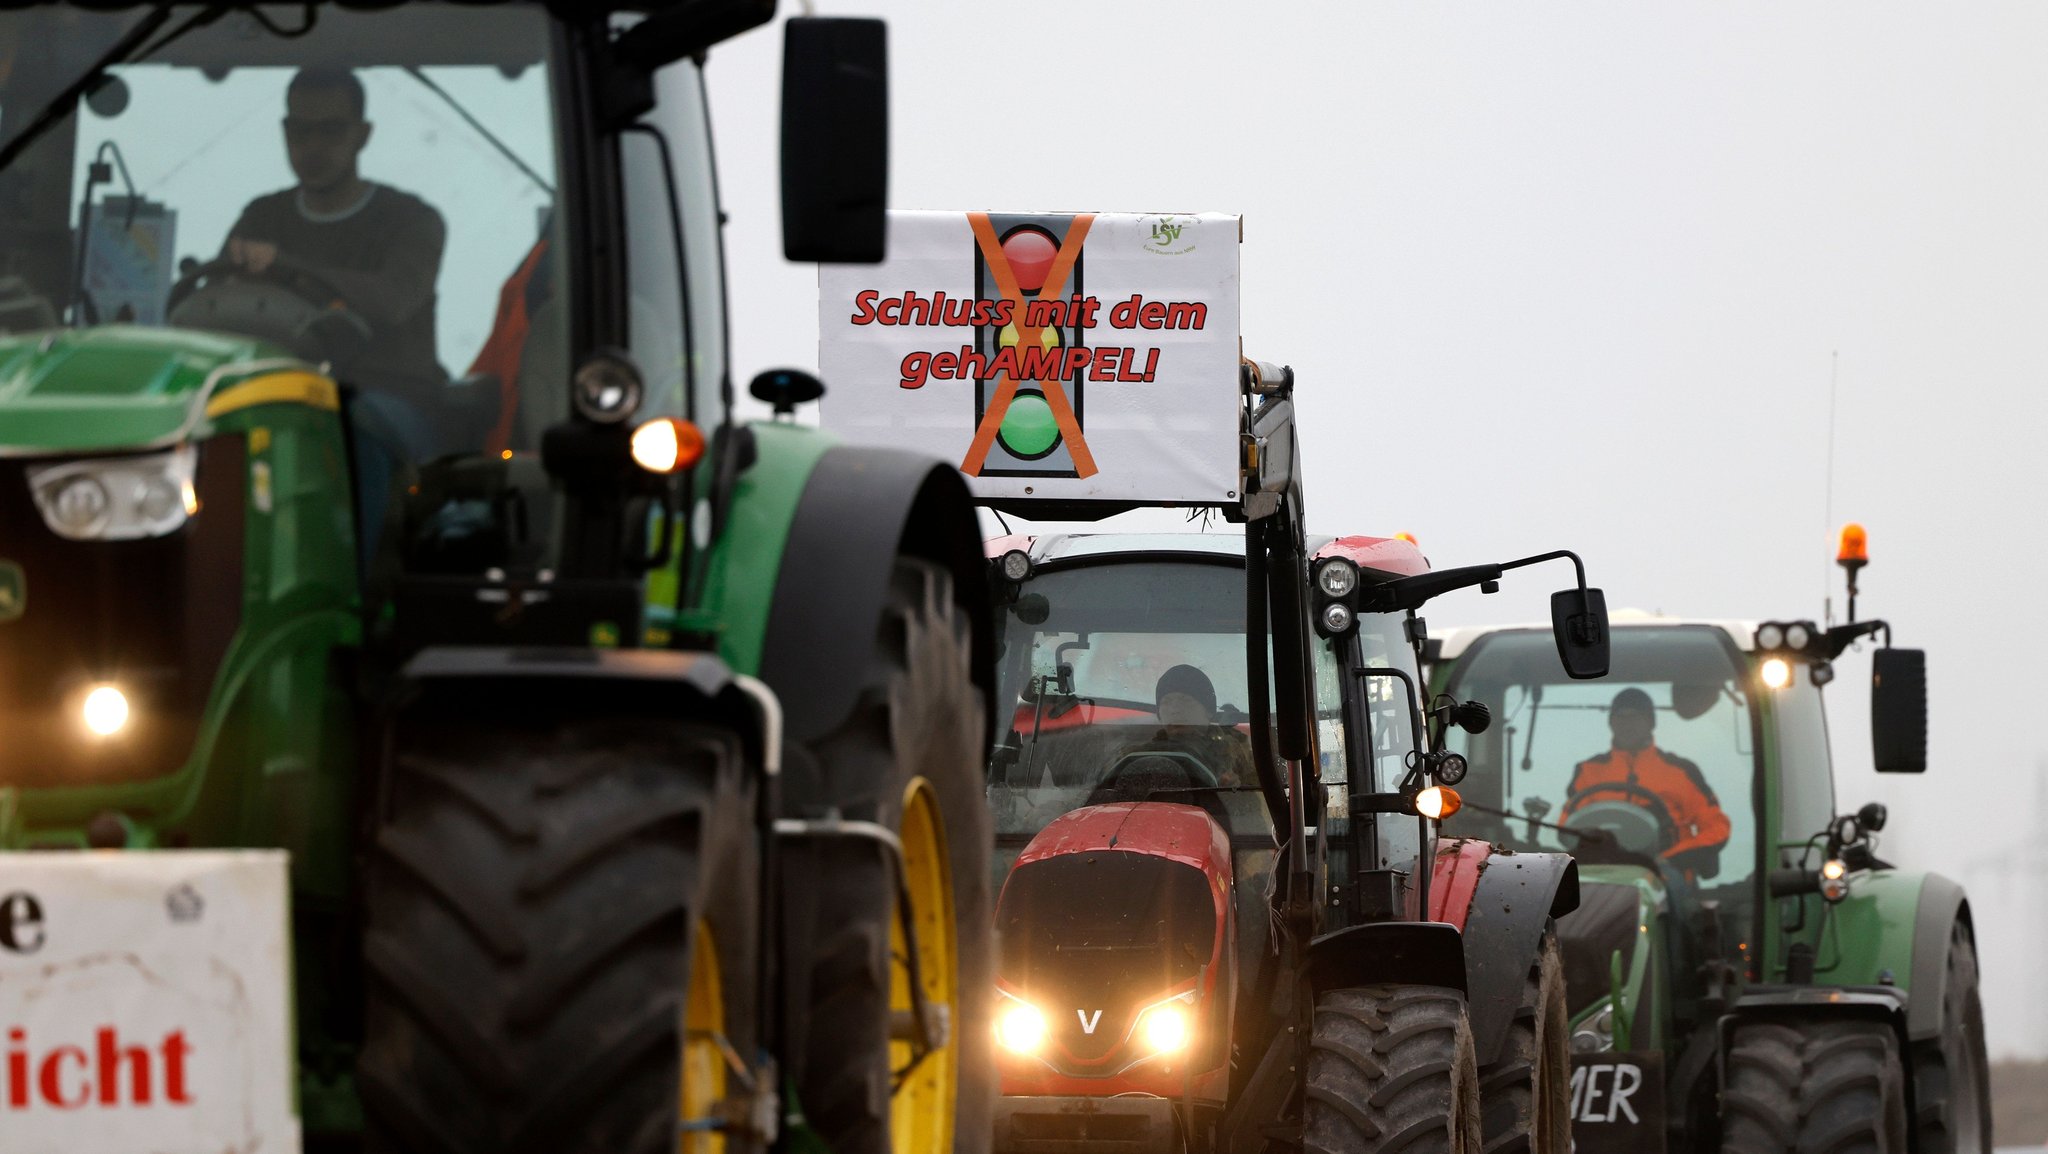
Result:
1578,275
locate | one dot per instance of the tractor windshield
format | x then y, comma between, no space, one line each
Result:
1124,681
373,190
1654,764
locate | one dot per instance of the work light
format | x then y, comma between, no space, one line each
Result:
1337,577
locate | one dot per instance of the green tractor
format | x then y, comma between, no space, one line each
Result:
1744,972
626,753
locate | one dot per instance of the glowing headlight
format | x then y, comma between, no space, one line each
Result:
1165,1029
117,498
1776,672
105,710
1337,577
1833,869
1020,1027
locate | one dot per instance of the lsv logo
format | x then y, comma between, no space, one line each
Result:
1088,1023
1166,239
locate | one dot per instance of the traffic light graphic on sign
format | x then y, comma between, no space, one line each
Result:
1029,428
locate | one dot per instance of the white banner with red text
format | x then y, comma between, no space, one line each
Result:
1051,356
144,1003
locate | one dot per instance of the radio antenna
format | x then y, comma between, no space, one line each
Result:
1828,504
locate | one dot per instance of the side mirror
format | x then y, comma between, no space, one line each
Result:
1872,816
1898,710
1578,622
835,139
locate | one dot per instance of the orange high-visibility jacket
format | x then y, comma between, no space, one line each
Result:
1698,816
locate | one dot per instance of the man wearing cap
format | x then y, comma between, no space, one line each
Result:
1186,701
1701,828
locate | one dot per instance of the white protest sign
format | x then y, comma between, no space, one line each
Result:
144,1003
1051,356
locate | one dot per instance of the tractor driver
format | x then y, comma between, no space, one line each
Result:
1700,828
378,247
1186,702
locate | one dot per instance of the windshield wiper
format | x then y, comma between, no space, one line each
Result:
53,113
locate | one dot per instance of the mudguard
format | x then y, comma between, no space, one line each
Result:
461,679
1502,901
1406,953
861,508
1893,931
1942,904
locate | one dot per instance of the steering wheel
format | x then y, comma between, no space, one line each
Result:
294,306
1109,788
1639,820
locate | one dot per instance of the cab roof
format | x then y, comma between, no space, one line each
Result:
1389,556
1741,632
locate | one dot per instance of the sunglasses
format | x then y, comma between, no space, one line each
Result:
332,131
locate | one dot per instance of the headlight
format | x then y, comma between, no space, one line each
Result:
105,710
1166,1027
1019,1026
1777,672
1797,635
117,498
1337,577
1336,617
607,388
1770,635
1016,565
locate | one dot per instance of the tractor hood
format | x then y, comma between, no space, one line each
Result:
118,386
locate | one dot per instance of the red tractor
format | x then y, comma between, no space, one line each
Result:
1210,804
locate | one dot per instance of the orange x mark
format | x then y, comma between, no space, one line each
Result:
1027,338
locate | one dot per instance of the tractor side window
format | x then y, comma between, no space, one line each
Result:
1806,780
1330,730
672,258
656,318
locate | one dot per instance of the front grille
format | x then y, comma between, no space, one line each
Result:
1108,931
153,617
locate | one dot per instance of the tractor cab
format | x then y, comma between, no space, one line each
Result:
1645,776
1730,907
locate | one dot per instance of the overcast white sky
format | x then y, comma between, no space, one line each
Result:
1574,274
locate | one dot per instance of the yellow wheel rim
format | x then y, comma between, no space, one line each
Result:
921,1115
703,1060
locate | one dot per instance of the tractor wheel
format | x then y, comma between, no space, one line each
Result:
1391,1071
1525,1094
1950,1084
560,937
1814,1088
909,758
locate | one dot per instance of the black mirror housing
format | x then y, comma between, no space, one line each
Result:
835,139
1578,622
1898,710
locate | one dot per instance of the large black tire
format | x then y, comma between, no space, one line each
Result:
534,894
1814,1088
918,718
1525,1094
1951,1083
1391,1071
